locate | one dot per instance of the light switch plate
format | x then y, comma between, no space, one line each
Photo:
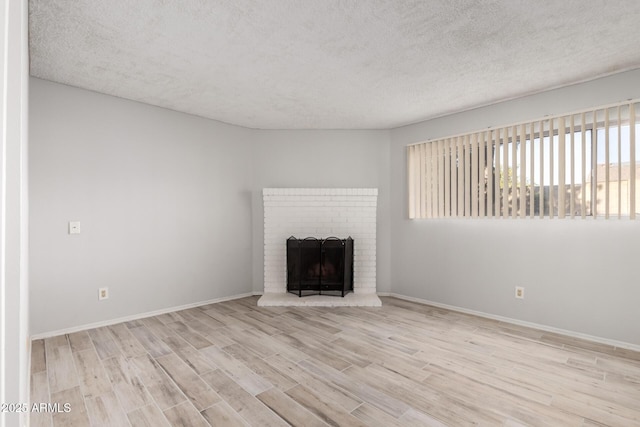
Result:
74,227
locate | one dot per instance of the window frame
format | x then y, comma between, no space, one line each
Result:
463,175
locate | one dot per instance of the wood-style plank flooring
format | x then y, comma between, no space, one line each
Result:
405,364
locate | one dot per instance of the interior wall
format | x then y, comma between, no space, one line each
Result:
170,205
164,201
318,159
171,210
14,243
579,275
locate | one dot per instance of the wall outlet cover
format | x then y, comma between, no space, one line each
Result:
74,227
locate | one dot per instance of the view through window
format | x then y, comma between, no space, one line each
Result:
583,164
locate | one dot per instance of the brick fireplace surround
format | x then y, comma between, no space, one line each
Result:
320,213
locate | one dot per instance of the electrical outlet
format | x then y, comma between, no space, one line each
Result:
103,293
74,227
519,292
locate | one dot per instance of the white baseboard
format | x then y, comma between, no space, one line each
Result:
600,340
613,343
135,317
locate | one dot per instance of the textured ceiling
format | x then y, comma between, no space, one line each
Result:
329,64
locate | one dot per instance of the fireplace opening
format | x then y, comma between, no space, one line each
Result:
319,266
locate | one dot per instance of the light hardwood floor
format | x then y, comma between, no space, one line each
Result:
404,364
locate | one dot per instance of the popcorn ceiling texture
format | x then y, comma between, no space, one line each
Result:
331,64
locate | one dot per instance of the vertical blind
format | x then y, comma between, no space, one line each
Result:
576,165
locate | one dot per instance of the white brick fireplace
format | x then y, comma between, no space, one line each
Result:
320,213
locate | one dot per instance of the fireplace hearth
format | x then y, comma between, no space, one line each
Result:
320,212
319,266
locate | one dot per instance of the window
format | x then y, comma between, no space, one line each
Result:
583,164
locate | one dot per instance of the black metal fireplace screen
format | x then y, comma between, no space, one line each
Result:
319,266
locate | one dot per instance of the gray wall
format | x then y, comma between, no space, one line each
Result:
164,201
158,192
578,275
322,158
170,204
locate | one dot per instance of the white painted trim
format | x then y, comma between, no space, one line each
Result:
600,340
135,317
